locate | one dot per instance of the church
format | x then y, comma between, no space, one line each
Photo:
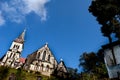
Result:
41,60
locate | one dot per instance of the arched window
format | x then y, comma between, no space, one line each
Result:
49,58
47,68
42,67
38,55
44,55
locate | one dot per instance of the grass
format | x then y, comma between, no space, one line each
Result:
20,74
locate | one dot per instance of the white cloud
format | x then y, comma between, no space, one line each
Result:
16,10
37,6
11,13
2,21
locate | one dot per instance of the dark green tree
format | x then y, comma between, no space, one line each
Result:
107,13
93,65
88,61
73,74
100,65
4,71
52,78
19,74
105,10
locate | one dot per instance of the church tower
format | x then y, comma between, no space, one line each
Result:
12,57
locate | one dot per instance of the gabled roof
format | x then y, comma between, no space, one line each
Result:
35,54
62,67
46,47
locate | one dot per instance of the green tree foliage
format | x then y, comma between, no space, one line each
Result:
105,10
3,72
52,78
107,13
59,75
88,61
20,75
73,74
93,65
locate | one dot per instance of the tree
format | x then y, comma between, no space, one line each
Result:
19,74
72,74
88,61
93,65
100,66
105,10
3,72
107,13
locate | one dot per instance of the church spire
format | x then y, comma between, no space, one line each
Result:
22,35
20,39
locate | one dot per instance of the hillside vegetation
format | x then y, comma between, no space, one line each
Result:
20,74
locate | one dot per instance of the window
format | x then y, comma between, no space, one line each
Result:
16,46
47,68
42,67
44,55
38,55
48,57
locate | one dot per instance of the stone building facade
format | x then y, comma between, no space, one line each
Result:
42,60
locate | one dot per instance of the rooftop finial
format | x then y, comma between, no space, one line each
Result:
46,44
61,59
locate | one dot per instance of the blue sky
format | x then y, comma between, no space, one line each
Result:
66,25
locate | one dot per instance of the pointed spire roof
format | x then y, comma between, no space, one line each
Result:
20,39
62,66
22,35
